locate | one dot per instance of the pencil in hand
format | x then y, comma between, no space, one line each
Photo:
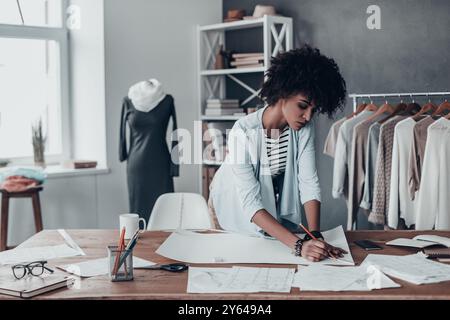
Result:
314,238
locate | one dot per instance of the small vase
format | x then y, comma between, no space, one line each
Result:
39,160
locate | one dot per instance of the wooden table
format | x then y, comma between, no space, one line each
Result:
156,284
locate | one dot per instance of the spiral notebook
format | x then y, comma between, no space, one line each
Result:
439,253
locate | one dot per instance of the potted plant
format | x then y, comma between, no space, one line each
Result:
38,144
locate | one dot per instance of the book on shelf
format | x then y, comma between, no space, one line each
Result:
248,55
242,62
224,101
250,66
222,112
222,106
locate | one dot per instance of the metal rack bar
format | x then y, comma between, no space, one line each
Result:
355,96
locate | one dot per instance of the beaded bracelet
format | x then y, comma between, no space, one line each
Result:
298,248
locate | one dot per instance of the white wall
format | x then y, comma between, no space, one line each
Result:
142,39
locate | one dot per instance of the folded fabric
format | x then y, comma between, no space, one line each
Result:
18,184
30,173
146,95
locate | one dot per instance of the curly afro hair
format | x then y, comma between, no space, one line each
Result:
305,71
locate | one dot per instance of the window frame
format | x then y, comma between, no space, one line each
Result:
61,36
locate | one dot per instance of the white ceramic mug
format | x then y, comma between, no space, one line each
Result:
131,223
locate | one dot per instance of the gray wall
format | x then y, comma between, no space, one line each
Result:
409,53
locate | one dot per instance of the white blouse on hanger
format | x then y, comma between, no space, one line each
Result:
400,203
433,207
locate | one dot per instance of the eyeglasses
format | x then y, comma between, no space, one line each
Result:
36,269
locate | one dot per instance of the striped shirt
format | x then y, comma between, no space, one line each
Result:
277,152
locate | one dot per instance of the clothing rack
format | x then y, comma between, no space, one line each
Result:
355,96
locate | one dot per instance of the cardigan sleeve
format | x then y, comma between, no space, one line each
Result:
174,151
244,177
340,166
429,185
377,215
308,178
413,169
123,152
370,165
394,197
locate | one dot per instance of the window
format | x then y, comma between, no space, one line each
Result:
33,77
41,13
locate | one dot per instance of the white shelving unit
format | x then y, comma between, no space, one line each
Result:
277,37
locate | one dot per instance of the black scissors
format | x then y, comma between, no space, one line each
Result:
173,267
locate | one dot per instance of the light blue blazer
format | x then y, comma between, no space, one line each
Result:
243,183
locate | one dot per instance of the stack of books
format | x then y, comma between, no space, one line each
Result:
247,60
223,107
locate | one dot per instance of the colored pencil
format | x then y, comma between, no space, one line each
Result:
119,249
311,235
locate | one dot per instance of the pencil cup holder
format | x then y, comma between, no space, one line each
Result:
120,264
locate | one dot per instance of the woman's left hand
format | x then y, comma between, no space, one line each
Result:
336,252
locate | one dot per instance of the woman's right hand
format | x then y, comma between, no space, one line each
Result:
315,250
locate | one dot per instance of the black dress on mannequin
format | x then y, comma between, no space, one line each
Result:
150,168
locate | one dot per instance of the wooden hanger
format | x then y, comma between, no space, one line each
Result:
371,107
400,108
425,108
385,108
412,108
359,109
444,106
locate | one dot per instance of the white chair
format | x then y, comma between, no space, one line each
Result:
180,211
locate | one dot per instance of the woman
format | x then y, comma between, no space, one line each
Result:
270,166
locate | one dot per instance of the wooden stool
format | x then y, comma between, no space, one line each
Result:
32,193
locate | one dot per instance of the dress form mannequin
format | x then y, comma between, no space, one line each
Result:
150,168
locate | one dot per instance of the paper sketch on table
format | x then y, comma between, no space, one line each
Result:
207,280
331,278
98,267
22,254
414,268
192,247
239,279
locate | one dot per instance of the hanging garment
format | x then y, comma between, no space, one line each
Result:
370,165
150,169
357,172
417,153
383,171
400,203
329,147
342,159
433,199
